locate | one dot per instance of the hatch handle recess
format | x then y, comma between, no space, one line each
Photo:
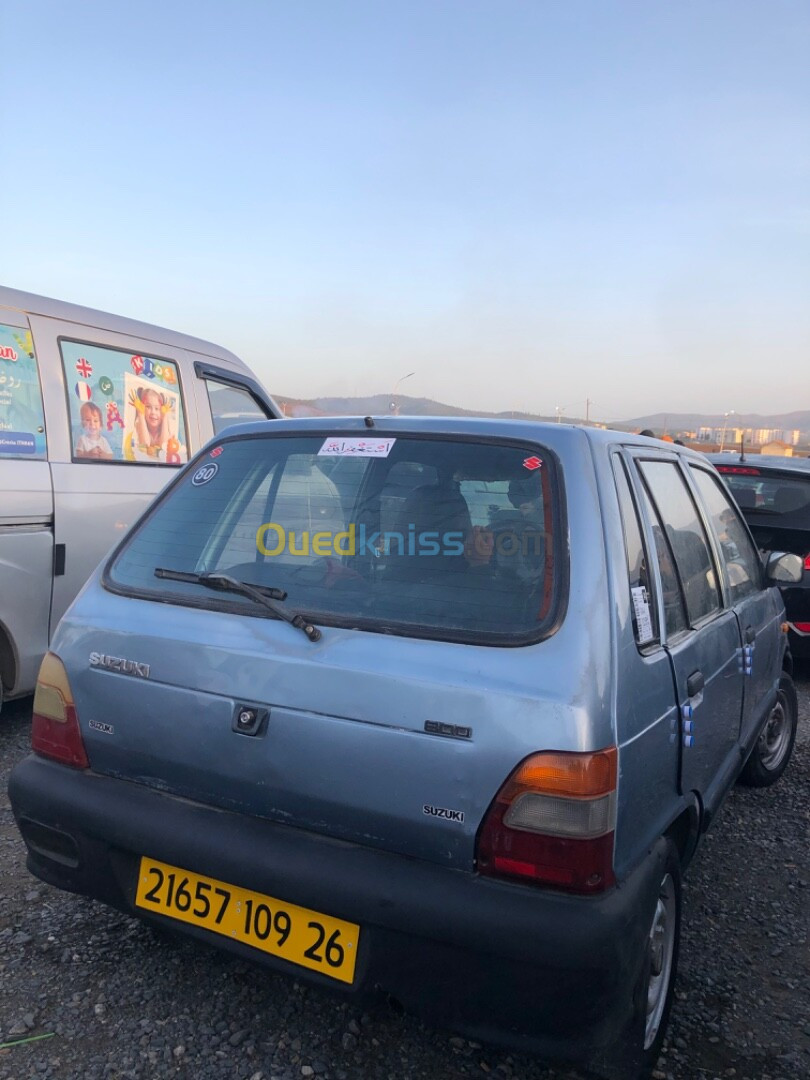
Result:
59,555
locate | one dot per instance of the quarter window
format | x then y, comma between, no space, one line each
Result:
231,405
642,594
686,536
22,421
123,407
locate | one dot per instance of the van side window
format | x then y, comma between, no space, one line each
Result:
741,562
22,420
687,538
123,407
232,405
642,592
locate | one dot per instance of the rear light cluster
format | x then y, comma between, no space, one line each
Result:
738,470
807,561
55,729
553,822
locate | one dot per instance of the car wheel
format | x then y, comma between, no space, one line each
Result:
635,1056
661,961
773,748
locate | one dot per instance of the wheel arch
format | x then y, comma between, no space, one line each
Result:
684,831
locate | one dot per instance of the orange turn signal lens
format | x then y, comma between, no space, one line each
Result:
556,773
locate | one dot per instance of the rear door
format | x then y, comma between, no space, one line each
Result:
119,423
702,635
758,616
26,508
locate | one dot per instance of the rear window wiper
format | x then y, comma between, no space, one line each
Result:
261,594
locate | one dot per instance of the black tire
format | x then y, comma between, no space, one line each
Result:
635,1056
773,748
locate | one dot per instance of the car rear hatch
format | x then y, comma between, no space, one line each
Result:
430,681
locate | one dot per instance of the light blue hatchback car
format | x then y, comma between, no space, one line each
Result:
433,707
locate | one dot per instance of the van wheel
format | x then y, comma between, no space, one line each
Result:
637,1053
773,748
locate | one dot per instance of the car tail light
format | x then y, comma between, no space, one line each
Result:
55,729
807,561
738,470
553,821
802,627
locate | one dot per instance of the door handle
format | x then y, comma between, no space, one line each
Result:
750,635
695,683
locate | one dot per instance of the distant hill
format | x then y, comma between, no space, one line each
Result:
799,421
384,404
673,423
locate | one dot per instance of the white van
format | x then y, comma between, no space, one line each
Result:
96,413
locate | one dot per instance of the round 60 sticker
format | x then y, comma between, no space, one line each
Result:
205,473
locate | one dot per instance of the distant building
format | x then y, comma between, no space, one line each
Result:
760,436
777,448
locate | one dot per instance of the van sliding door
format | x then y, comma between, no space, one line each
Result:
119,423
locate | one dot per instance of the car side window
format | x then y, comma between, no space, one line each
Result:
671,596
642,592
687,537
741,562
22,420
123,407
232,405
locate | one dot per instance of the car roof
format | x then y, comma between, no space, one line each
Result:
528,430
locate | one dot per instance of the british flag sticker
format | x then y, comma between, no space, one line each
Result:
532,463
83,368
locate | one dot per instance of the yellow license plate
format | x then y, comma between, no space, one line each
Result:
294,933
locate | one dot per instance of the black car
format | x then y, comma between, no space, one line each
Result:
774,496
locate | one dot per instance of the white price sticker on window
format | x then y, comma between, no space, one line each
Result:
641,607
340,447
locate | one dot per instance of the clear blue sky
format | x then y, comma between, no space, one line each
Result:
526,203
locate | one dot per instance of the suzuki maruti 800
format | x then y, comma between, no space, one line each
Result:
438,708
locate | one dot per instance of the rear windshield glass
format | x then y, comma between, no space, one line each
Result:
769,496
441,538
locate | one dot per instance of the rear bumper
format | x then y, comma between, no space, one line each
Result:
524,967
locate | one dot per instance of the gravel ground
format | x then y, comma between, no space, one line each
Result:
104,996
